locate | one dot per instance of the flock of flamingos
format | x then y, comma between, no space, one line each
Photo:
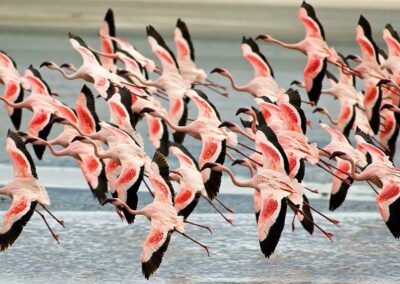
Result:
112,157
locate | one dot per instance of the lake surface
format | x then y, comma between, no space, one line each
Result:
97,247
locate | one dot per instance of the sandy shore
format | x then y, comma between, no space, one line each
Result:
211,19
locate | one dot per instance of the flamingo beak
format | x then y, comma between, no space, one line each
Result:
242,110
318,109
336,154
177,173
46,63
78,138
57,119
208,166
237,162
146,110
217,70
226,124
65,65
295,82
386,106
23,134
108,200
383,82
30,140
263,37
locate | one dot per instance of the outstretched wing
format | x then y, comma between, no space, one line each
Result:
159,178
14,93
21,159
392,40
372,103
183,42
88,121
107,29
389,206
40,125
15,219
339,188
310,21
252,53
162,51
314,73
369,49
154,247
271,220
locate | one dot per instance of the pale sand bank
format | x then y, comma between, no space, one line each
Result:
211,19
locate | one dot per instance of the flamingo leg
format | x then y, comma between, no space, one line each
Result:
230,221
54,235
54,217
328,171
312,190
216,84
198,225
333,221
223,205
230,156
293,225
148,188
249,148
244,155
193,240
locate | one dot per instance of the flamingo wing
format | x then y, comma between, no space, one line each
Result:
159,178
15,219
183,42
369,49
36,82
40,125
347,117
274,156
107,29
213,150
162,51
178,115
93,169
21,159
392,40
14,93
89,58
252,53
310,21
185,158
158,134
372,103
271,220
389,206
154,247
186,200
127,186
336,135
314,73
257,204
339,188
88,121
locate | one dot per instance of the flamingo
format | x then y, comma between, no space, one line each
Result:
91,70
316,49
24,190
164,221
263,83
107,30
13,90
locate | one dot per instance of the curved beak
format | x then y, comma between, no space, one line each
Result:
318,109
108,200
386,106
146,110
208,166
237,162
217,70
263,37
45,63
78,138
226,124
384,82
242,110
30,140
336,154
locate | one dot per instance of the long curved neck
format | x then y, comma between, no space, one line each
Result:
14,105
285,45
234,85
328,115
235,180
100,154
179,128
72,76
131,211
244,133
147,83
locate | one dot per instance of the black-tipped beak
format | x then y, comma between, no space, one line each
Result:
242,110
46,63
123,72
383,82
217,70
65,65
108,200
237,162
386,106
208,166
295,82
336,154
318,109
176,173
263,37
146,110
226,124
351,57
77,138
30,140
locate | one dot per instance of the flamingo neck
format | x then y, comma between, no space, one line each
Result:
72,76
235,180
234,85
131,211
285,45
14,105
328,115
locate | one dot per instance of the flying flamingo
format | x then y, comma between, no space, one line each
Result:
24,190
263,83
107,30
316,49
13,90
164,221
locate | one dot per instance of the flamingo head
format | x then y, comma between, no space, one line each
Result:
238,162
387,106
297,83
337,154
148,110
320,109
384,82
212,166
58,119
78,138
220,71
48,64
354,58
244,110
227,124
114,201
264,37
